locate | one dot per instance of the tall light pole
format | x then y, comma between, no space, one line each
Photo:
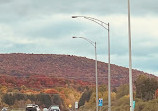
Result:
103,24
130,60
96,72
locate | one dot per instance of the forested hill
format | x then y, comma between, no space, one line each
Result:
62,66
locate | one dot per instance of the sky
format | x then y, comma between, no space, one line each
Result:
46,27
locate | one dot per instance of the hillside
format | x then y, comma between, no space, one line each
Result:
50,67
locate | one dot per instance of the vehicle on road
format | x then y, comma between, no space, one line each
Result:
4,109
32,107
54,108
45,109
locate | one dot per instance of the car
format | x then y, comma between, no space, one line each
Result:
32,107
4,109
45,109
54,108
37,107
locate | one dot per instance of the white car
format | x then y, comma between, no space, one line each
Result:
4,109
32,107
54,108
45,109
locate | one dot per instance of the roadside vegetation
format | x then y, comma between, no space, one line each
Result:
145,95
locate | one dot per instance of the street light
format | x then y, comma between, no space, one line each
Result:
103,24
130,60
96,74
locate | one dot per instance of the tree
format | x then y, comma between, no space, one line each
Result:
8,99
85,97
57,100
145,87
23,87
44,99
140,86
122,91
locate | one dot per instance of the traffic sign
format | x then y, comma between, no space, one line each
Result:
76,105
134,103
100,102
70,105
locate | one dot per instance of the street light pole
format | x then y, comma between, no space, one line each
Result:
96,72
130,60
109,75
103,24
96,77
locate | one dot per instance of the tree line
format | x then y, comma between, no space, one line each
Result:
44,100
145,95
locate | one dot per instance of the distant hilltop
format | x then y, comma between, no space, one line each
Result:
63,66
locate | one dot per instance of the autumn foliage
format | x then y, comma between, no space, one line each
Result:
51,91
48,70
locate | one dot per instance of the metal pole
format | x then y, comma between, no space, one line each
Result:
101,23
96,72
96,78
109,74
100,108
130,60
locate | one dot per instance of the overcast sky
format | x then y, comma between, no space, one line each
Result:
46,26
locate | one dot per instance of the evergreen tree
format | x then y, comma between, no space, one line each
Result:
57,100
85,97
44,99
8,99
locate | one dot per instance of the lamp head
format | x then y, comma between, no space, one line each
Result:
74,16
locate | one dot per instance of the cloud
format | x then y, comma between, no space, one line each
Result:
14,10
38,26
